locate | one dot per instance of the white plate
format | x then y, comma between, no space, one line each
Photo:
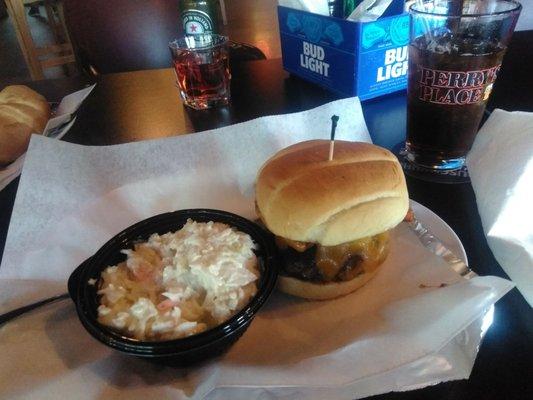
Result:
439,229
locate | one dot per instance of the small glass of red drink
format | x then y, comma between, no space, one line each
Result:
202,70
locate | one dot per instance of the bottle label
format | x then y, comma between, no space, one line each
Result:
196,22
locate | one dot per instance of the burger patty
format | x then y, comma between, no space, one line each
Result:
316,263
303,265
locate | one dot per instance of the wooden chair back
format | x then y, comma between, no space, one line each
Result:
122,35
38,59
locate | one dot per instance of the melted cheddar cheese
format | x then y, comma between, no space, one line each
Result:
347,260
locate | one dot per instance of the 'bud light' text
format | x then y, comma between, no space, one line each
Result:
312,59
395,64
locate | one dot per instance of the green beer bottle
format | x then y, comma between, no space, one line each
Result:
349,6
199,16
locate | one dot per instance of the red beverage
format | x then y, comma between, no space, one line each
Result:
202,72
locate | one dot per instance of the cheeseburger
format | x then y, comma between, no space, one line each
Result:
331,218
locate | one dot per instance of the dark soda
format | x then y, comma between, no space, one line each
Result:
450,80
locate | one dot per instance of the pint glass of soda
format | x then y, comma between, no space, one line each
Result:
202,70
455,52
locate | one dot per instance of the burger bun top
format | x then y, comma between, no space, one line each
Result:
303,196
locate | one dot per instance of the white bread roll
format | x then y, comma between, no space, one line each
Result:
302,196
22,112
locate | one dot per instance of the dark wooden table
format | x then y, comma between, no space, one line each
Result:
144,105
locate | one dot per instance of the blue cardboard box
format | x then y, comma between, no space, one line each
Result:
350,58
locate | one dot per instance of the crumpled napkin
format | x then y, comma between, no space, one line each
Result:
369,10
501,169
314,6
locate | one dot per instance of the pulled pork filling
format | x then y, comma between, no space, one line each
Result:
316,263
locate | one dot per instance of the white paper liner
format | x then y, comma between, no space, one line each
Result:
390,335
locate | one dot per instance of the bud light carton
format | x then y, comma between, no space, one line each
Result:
350,58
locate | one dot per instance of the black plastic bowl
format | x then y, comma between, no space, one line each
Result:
180,351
